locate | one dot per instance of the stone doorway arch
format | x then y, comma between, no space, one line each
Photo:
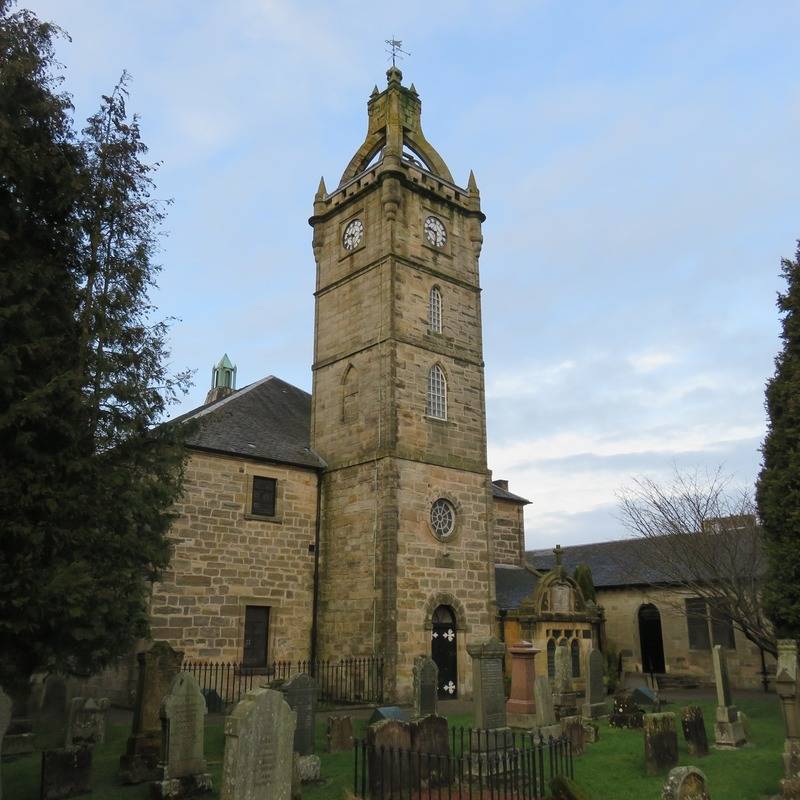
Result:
444,650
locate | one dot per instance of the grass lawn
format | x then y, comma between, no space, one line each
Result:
611,769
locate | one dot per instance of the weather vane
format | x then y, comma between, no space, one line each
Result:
396,48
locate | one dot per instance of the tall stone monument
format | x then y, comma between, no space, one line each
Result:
426,685
595,705
157,668
487,683
182,763
259,737
787,685
521,705
300,692
564,698
545,713
728,729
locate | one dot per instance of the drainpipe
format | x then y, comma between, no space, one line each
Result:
315,601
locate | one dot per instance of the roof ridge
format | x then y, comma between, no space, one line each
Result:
203,410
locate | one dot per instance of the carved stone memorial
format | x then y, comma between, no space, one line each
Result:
5,718
339,734
426,681
86,723
157,669
545,713
66,772
521,706
384,739
572,729
487,683
564,698
694,730
300,692
595,701
182,763
259,737
728,728
660,743
685,783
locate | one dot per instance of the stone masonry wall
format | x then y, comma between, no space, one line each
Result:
224,559
508,532
622,634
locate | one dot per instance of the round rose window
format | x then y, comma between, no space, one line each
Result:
443,518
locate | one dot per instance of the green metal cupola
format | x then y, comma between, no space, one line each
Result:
223,380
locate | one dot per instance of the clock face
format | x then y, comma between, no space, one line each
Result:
435,232
353,234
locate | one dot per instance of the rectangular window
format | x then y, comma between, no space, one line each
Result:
697,621
264,490
256,636
722,626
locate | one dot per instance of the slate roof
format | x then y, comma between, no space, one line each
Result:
504,494
513,585
269,420
612,563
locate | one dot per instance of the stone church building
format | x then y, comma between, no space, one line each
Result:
363,519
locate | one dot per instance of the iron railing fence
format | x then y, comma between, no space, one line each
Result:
481,765
346,681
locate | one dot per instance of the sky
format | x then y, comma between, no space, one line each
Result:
638,168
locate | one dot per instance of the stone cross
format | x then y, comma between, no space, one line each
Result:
660,743
595,705
259,736
157,668
521,706
686,783
728,729
426,682
5,718
487,683
300,692
86,724
183,764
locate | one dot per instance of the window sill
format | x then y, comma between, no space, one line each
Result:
437,419
260,518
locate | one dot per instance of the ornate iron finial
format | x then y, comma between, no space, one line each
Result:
395,50
557,552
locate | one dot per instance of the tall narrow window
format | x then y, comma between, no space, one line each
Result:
256,636
350,395
437,393
435,310
263,496
697,623
575,652
551,658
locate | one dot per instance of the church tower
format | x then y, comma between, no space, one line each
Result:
398,407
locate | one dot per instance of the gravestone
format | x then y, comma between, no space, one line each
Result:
19,739
694,730
51,717
182,763
426,682
686,783
572,728
728,728
66,772
339,733
595,700
430,738
487,683
5,718
521,705
157,668
388,712
300,692
645,696
660,743
259,736
625,713
545,713
86,722
564,698
386,779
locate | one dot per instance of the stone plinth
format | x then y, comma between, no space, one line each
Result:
521,706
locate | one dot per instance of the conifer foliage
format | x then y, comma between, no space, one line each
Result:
87,476
778,488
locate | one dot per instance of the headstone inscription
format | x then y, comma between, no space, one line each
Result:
300,692
182,763
339,734
425,681
5,718
66,772
545,713
86,723
259,736
564,698
694,730
595,705
521,705
157,668
728,729
487,683
660,743
685,783
384,739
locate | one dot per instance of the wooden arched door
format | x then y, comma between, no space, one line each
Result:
651,639
444,651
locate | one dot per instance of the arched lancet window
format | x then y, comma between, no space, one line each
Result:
435,310
437,393
350,394
551,659
575,652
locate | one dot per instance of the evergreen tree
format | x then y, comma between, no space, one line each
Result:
87,476
778,488
583,577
